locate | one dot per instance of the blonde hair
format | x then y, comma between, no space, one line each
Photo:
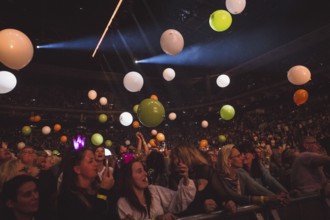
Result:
8,170
189,156
223,163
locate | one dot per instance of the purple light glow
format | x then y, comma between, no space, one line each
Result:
79,142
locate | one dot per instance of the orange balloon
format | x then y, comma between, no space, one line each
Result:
154,97
136,124
37,118
57,127
152,142
31,118
300,96
63,139
203,143
160,137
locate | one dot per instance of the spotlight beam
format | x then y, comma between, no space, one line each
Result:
107,27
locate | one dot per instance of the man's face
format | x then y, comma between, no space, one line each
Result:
28,156
311,145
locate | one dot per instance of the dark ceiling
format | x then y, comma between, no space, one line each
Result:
263,42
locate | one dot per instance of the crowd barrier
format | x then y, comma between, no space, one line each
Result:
312,207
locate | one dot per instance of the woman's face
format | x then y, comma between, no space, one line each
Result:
123,149
236,159
139,176
88,166
100,154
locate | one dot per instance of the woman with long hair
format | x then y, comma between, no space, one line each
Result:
239,186
82,194
139,200
200,172
256,169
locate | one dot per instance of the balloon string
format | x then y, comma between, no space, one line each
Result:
107,27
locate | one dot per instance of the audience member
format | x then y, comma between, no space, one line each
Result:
307,175
21,198
82,195
139,200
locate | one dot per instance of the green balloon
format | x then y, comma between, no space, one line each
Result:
151,113
220,20
97,139
103,118
135,108
108,143
222,138
227,112
26,130
56,152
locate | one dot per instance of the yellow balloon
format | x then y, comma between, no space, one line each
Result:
220,20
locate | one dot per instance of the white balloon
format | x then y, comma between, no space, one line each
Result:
107,152
126,118
133,81
103,101
171,42
168,74
127,142
204,124
235,6
46,130
223,81
172,116
92,94
20,145
7,82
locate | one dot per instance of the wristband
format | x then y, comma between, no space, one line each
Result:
100,196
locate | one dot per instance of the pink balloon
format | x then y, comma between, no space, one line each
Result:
16,49
168,74
171,42
235,6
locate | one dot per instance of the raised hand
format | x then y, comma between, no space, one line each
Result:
210,205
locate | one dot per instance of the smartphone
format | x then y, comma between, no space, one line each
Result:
162,147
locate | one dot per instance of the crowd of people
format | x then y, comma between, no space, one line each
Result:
269,155
156,182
